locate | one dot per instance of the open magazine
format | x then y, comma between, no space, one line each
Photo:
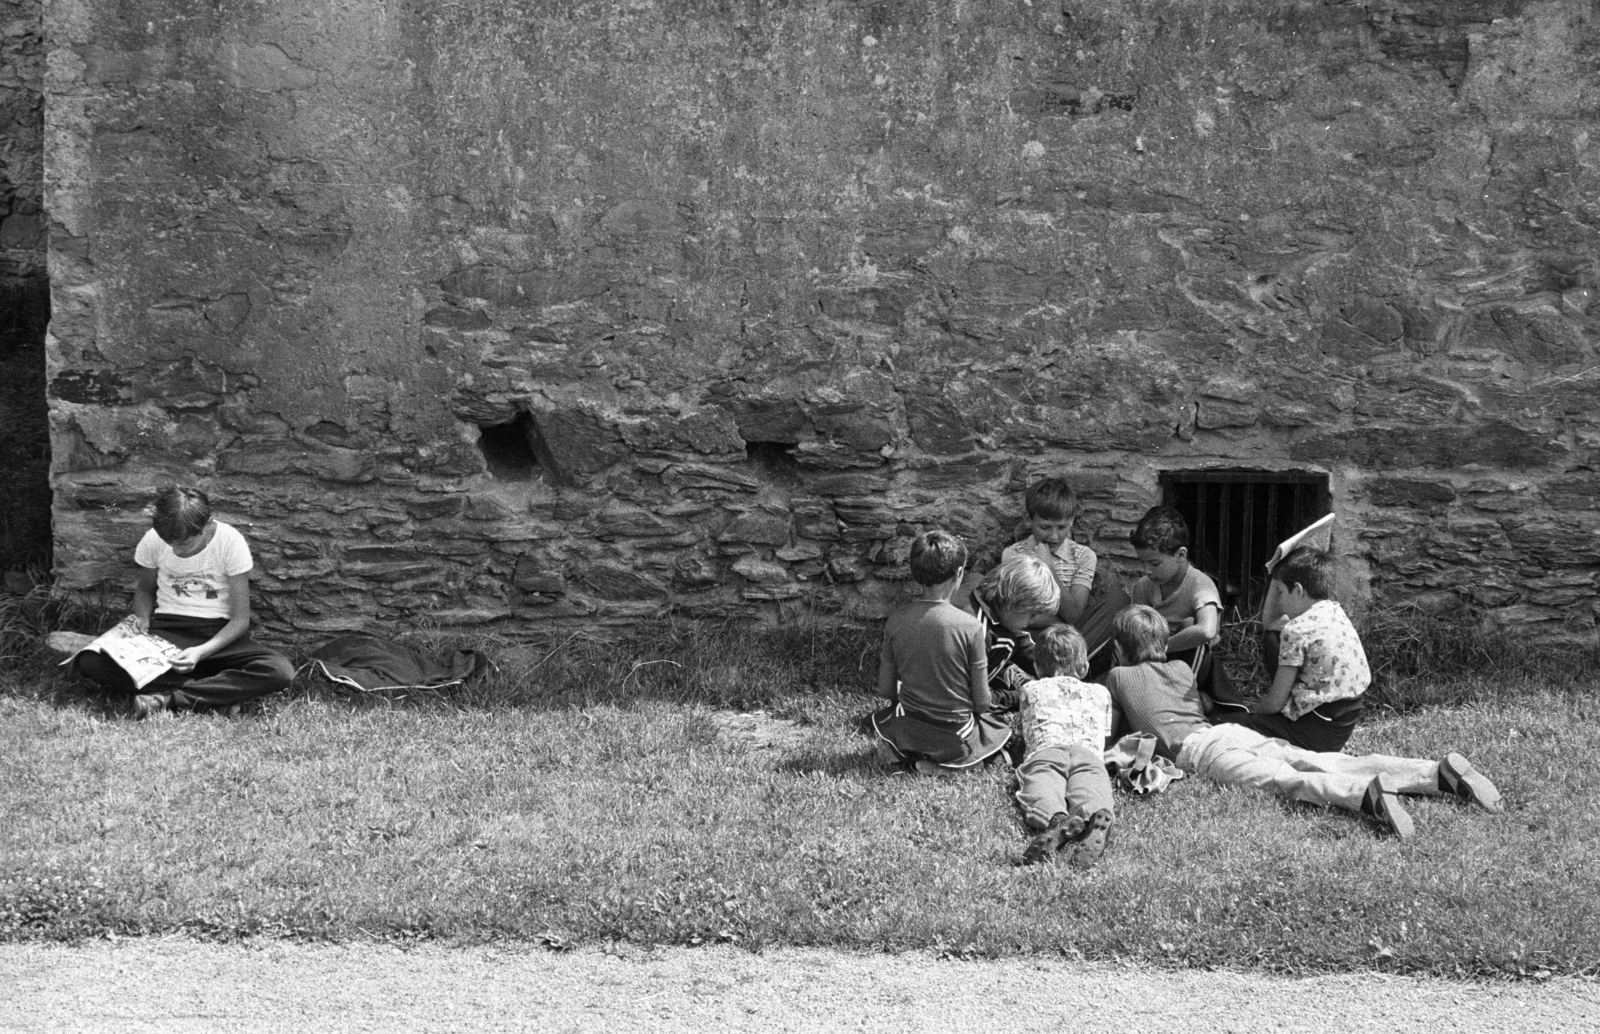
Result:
143,656
1318,535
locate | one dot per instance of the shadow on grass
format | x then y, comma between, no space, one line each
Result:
852,758
741,667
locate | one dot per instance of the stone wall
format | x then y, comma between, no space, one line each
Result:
747,293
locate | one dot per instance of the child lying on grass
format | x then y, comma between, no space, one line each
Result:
1062,783
1158,696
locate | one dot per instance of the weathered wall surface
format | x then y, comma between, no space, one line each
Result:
22,239
917,251
24,291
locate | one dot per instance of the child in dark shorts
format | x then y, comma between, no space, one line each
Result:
934,672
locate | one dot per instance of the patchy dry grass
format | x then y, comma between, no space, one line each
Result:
582,794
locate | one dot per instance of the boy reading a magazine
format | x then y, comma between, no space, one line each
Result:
193,590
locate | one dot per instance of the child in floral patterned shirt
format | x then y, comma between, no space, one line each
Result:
1315,699
1062,783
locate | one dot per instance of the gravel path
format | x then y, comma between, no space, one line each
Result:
178,985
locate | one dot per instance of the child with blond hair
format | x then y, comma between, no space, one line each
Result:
1158,696
1019,595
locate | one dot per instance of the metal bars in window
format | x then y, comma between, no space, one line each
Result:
1237,517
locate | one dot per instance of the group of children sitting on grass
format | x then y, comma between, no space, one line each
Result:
1022,638
1025,638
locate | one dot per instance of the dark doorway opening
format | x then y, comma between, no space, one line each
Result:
508,449
25,541
1237,518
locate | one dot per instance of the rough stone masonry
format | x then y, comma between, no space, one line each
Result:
531,311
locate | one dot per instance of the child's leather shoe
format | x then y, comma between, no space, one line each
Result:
1458,777
1382,805
1087,851
1047,844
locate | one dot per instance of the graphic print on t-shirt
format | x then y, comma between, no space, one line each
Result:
193,587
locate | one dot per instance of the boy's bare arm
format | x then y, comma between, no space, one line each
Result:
144,597
1206,622
238,624
1277,697
978,677
888,675
1074,601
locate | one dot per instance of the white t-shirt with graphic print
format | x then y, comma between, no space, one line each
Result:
195,586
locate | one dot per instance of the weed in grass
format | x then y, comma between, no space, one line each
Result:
41,900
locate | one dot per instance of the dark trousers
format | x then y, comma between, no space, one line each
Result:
240,671
1095,626
1325,730
1210,677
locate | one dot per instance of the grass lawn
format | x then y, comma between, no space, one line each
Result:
583,796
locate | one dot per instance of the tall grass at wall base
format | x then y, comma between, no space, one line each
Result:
733,666
27,617
1420,660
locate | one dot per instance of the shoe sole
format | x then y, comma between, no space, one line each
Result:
1092,846
1470,784
1043,848
1387,809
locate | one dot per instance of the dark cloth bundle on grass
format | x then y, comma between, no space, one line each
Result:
374,665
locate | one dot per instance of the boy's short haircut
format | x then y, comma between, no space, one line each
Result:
1309,568
1060,650
1050,499
1162,529
936,557
180,513
1141,632
1024,583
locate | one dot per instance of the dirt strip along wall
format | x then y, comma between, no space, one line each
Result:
518,312
24,299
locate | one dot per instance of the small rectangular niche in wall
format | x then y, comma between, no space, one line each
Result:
508,449
775,460
1237,517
